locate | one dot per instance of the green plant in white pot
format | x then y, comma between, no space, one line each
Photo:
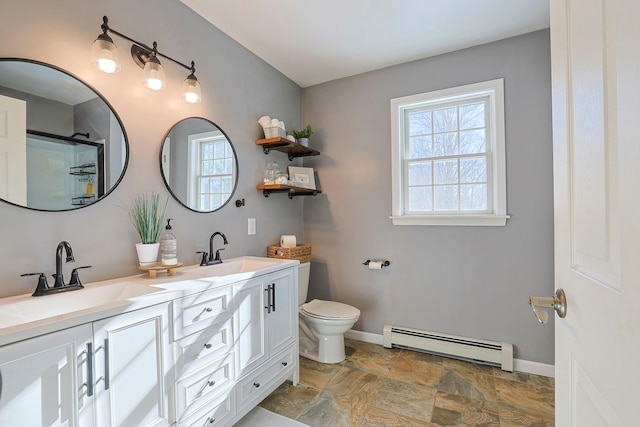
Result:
147,215
302,136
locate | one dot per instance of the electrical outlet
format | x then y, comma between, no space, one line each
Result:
251,226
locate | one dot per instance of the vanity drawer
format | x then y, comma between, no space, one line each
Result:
201,387
253,385
215,413
197,350
197,312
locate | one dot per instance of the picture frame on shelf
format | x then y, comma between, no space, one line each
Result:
302,177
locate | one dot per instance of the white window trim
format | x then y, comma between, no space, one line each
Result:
495,90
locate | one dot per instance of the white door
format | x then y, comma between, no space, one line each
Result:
249,322
13,150
43,381
595,48
132,369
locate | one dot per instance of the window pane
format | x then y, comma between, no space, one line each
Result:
216,185
472,116
218,152
473,169
204,202
445,171
445,119
227,184
207,151
473,141
446,198
420,123
446,144
216,201
420,147
420,199
204,185
419,173
207,167
473,197
228,166
218,167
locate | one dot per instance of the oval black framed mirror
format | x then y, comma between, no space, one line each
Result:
62,146
199,164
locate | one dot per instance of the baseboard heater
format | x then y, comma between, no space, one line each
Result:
471,349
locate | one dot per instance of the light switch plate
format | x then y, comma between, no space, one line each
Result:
251,226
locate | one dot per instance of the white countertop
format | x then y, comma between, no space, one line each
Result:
23,316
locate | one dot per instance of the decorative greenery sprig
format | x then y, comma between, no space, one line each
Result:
304,133
147,216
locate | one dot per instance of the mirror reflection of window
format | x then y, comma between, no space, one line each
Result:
211,173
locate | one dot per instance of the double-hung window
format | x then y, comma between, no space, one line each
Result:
211,170
449,156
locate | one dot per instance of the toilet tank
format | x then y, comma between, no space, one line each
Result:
303,282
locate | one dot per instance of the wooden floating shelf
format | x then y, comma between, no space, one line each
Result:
283,145
291,191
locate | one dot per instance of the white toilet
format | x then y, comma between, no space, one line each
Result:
322,323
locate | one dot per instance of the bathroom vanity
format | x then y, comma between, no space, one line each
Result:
202,347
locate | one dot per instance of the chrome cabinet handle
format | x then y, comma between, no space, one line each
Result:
89,369
558,302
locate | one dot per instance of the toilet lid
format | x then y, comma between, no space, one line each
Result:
330,309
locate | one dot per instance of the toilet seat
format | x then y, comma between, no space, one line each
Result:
320,309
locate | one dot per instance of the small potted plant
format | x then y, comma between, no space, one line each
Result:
147,215
302,136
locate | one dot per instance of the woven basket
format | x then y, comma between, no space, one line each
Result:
301,252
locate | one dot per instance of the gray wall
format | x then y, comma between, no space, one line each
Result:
470,281
237,89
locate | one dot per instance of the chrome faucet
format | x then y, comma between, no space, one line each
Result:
43,287
209,259
59,279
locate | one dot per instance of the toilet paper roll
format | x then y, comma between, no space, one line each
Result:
375,265
288,241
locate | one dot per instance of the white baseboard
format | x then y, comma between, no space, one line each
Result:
520,365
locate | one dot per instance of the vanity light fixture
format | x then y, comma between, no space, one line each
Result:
104,56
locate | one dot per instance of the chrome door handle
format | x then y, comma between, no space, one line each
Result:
558,302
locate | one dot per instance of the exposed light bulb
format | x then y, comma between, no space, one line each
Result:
154,74
104,54
154,84
107,65
191,89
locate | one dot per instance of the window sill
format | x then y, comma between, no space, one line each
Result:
455,220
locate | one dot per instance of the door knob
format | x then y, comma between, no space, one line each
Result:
558,302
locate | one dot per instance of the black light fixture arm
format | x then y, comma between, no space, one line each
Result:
146,50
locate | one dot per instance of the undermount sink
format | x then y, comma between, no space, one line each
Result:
31,309
240,266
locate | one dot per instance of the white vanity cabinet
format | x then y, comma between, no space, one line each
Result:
108,373
43,380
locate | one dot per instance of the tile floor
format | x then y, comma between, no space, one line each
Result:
376,386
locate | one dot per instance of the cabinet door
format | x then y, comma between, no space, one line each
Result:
282,320
133,368
250,302
44,380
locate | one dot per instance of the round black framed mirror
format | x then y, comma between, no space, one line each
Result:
63,146
199,165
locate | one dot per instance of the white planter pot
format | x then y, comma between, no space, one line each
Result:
303,141
147,253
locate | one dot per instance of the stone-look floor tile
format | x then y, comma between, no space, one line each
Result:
454,410
325,413
316,375
510,417
473,385
353,391
412,400
522,377
372,349
377,417
541,381
417,362
420,356
371,364
469,366
428,376
290,401
536,401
